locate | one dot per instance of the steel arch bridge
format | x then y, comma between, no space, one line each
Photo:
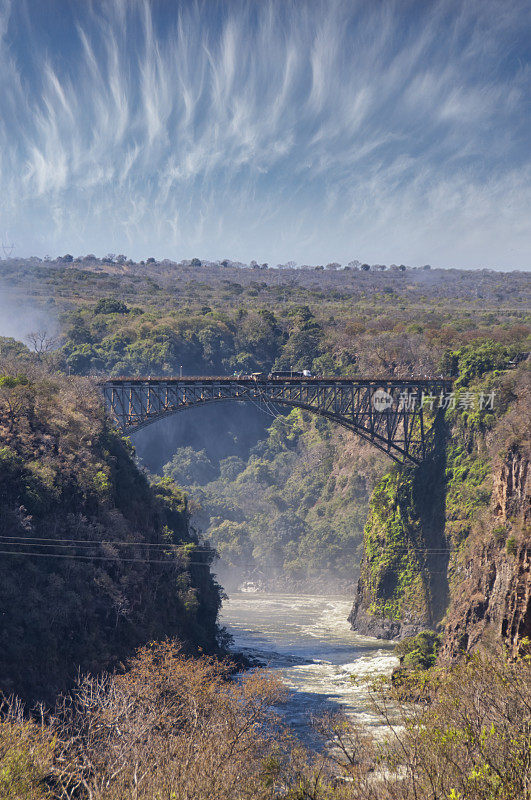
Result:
396,416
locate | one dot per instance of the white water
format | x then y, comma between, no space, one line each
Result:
308,641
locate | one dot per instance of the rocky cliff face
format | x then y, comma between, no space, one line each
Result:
468,573
99,562
402,587
491,592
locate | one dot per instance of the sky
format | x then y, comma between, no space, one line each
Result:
305,130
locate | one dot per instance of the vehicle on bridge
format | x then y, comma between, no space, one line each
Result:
275,375
289,373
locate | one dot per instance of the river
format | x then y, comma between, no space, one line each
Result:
308,641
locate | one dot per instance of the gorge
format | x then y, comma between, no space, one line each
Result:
111,545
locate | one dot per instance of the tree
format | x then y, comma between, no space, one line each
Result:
15,400
231,467
365,267
41,342
79,332
195,262
190,467
110,305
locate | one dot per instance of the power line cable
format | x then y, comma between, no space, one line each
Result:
102,558
90,544
259,567
120,560
35,541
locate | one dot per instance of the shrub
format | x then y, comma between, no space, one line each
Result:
109,305
10,381
171,726
511,546
419,652
499,533
26,754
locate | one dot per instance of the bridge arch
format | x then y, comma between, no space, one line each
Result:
390,414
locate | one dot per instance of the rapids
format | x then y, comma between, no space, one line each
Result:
308,641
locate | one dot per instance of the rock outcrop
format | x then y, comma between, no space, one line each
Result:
402,588
491,596
465,572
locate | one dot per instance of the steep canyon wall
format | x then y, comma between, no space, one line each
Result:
447,546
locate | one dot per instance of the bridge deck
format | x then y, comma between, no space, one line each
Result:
230,379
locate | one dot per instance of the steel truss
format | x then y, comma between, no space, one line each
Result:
400,424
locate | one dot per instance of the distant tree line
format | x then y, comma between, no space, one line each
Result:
122,260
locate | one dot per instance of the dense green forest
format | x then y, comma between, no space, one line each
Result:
289,514
284,498
152,319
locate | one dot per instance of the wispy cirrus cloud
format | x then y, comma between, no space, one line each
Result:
313,130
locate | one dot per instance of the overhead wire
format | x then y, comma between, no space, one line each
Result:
260,406
47,542
58,542
258,567
101,558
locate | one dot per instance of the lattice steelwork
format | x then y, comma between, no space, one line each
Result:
394,415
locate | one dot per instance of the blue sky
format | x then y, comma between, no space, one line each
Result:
268,129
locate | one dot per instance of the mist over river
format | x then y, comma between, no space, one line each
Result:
308,641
